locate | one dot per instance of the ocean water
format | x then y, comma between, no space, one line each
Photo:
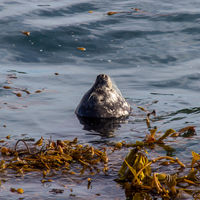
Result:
152,54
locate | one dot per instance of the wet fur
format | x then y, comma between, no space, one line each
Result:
103,101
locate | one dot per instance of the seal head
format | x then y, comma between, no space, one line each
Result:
103,100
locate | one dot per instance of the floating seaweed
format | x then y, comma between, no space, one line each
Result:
133,11
47,155
142,179
137,175
81,48
27,33
142,175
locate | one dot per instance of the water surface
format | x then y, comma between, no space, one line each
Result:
152,55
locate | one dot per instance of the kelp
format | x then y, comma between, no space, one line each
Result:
19,92
133,11
27,33
140,174
137,174
46,155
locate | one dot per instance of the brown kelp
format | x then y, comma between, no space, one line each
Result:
143,179
47,155
142,174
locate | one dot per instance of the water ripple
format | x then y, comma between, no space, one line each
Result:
190,82
177,17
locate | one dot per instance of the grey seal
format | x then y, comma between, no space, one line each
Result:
103,100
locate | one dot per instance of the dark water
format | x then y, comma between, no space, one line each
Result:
152,54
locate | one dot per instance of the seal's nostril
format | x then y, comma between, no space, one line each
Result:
105,76
100,77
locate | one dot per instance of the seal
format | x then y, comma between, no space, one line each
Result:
103,100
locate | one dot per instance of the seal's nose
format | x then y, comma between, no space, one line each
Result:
103,80
102,77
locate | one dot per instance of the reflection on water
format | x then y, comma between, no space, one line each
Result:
106,127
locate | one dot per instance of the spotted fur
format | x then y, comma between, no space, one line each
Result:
103,101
